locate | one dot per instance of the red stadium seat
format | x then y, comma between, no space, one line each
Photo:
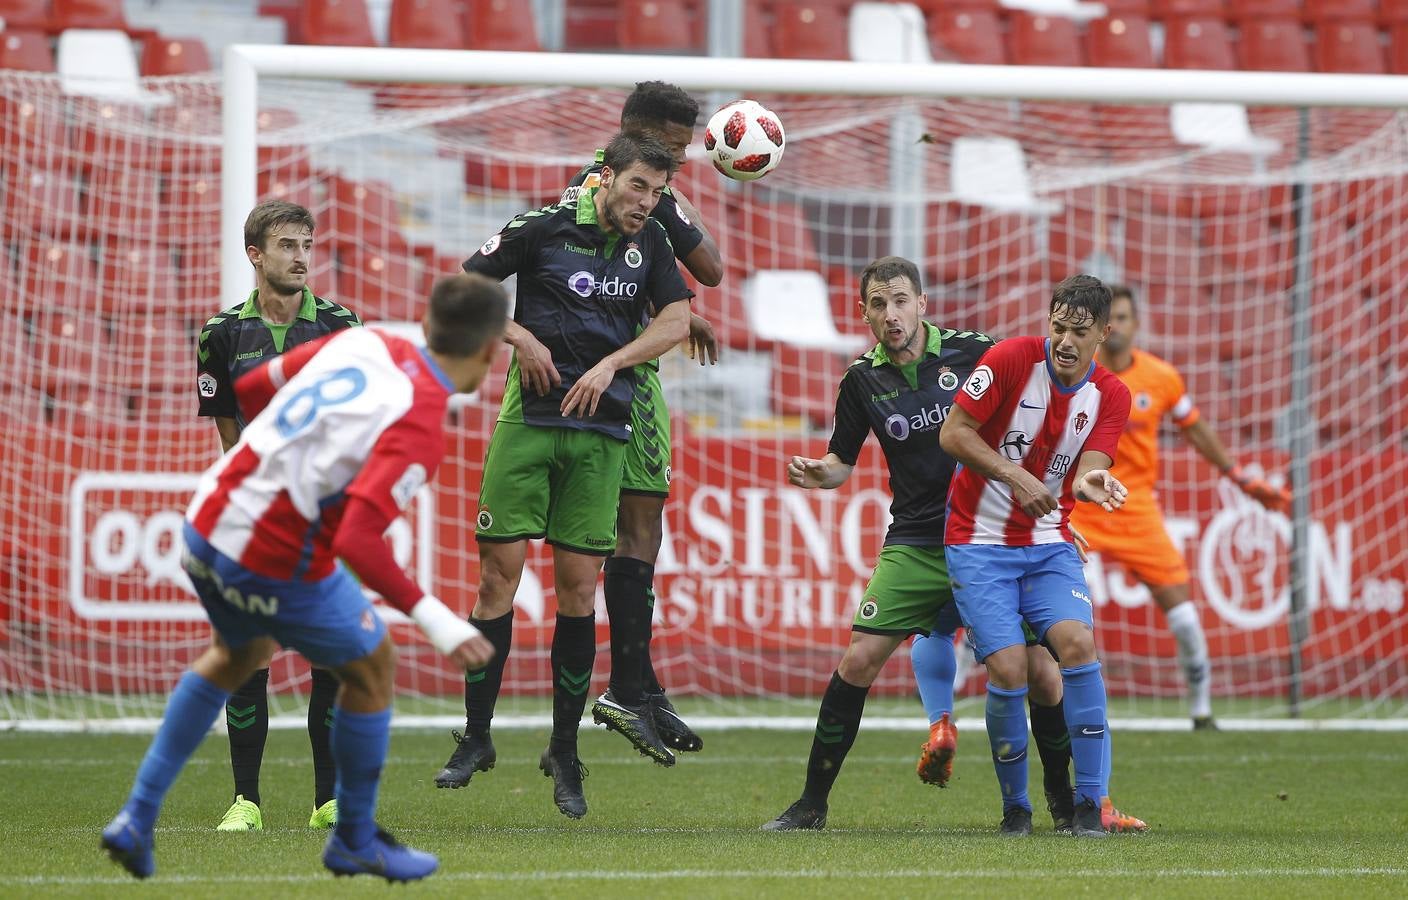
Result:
1398,48
141,276
175,56
380,285
191,205
1004,246
24,14
87,14
123,203
166,411
1247,11
108,134
365,214
41,201
89,411
1342,10
26,50
1172,9
500,25
69,344
972,35
656,25
1393,12
1198,43
1157,251
946,244
804,382
198,279
1037,40
1120,42
15,347
810,29
1274,45
336,23
757,25
1344,46
430,24
591,24
161,356
774,236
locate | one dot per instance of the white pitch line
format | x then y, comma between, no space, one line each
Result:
711,724
744,874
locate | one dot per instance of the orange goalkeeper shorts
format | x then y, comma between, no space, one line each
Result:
1136,539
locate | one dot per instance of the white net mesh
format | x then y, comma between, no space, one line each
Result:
112,242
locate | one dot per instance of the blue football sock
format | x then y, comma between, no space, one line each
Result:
1007,733
1105,765
359,745
1085,718
191,710
934,667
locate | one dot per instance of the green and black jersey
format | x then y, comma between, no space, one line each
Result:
582,293
239,339
903,406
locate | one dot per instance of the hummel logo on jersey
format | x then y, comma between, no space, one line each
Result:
1025,405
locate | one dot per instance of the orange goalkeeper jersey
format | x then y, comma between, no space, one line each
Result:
1155,390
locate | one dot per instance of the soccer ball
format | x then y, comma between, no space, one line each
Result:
744,140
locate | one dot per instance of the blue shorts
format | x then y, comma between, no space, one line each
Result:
999,587
330,622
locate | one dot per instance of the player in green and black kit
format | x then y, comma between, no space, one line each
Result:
279,315
588,272
667,113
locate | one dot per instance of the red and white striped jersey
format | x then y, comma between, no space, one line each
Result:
1043,426
359,413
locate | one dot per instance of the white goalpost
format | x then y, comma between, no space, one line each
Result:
1260,218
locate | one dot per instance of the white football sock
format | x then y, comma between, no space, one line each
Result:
1192,656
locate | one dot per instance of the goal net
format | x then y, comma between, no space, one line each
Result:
1222,218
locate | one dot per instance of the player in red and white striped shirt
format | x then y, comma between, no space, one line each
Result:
342,433
1035,429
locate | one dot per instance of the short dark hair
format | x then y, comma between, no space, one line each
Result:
656,103
465,312
1083,293
270,214
1124,291
627,149
887,267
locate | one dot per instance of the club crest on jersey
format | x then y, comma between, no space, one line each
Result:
869,609
1081,420
669,475
206,385
490,245
947,379
978,382
1142,400
485,520
634,257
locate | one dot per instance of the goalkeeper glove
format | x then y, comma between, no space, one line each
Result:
1269,496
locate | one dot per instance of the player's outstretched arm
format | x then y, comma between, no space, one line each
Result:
1206,442
960,439
828,472
669,327
1094,483
535,366
704,261
359,542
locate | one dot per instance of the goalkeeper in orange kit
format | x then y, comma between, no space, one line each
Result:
1136,538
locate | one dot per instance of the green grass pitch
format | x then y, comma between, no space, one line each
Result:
1259,814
